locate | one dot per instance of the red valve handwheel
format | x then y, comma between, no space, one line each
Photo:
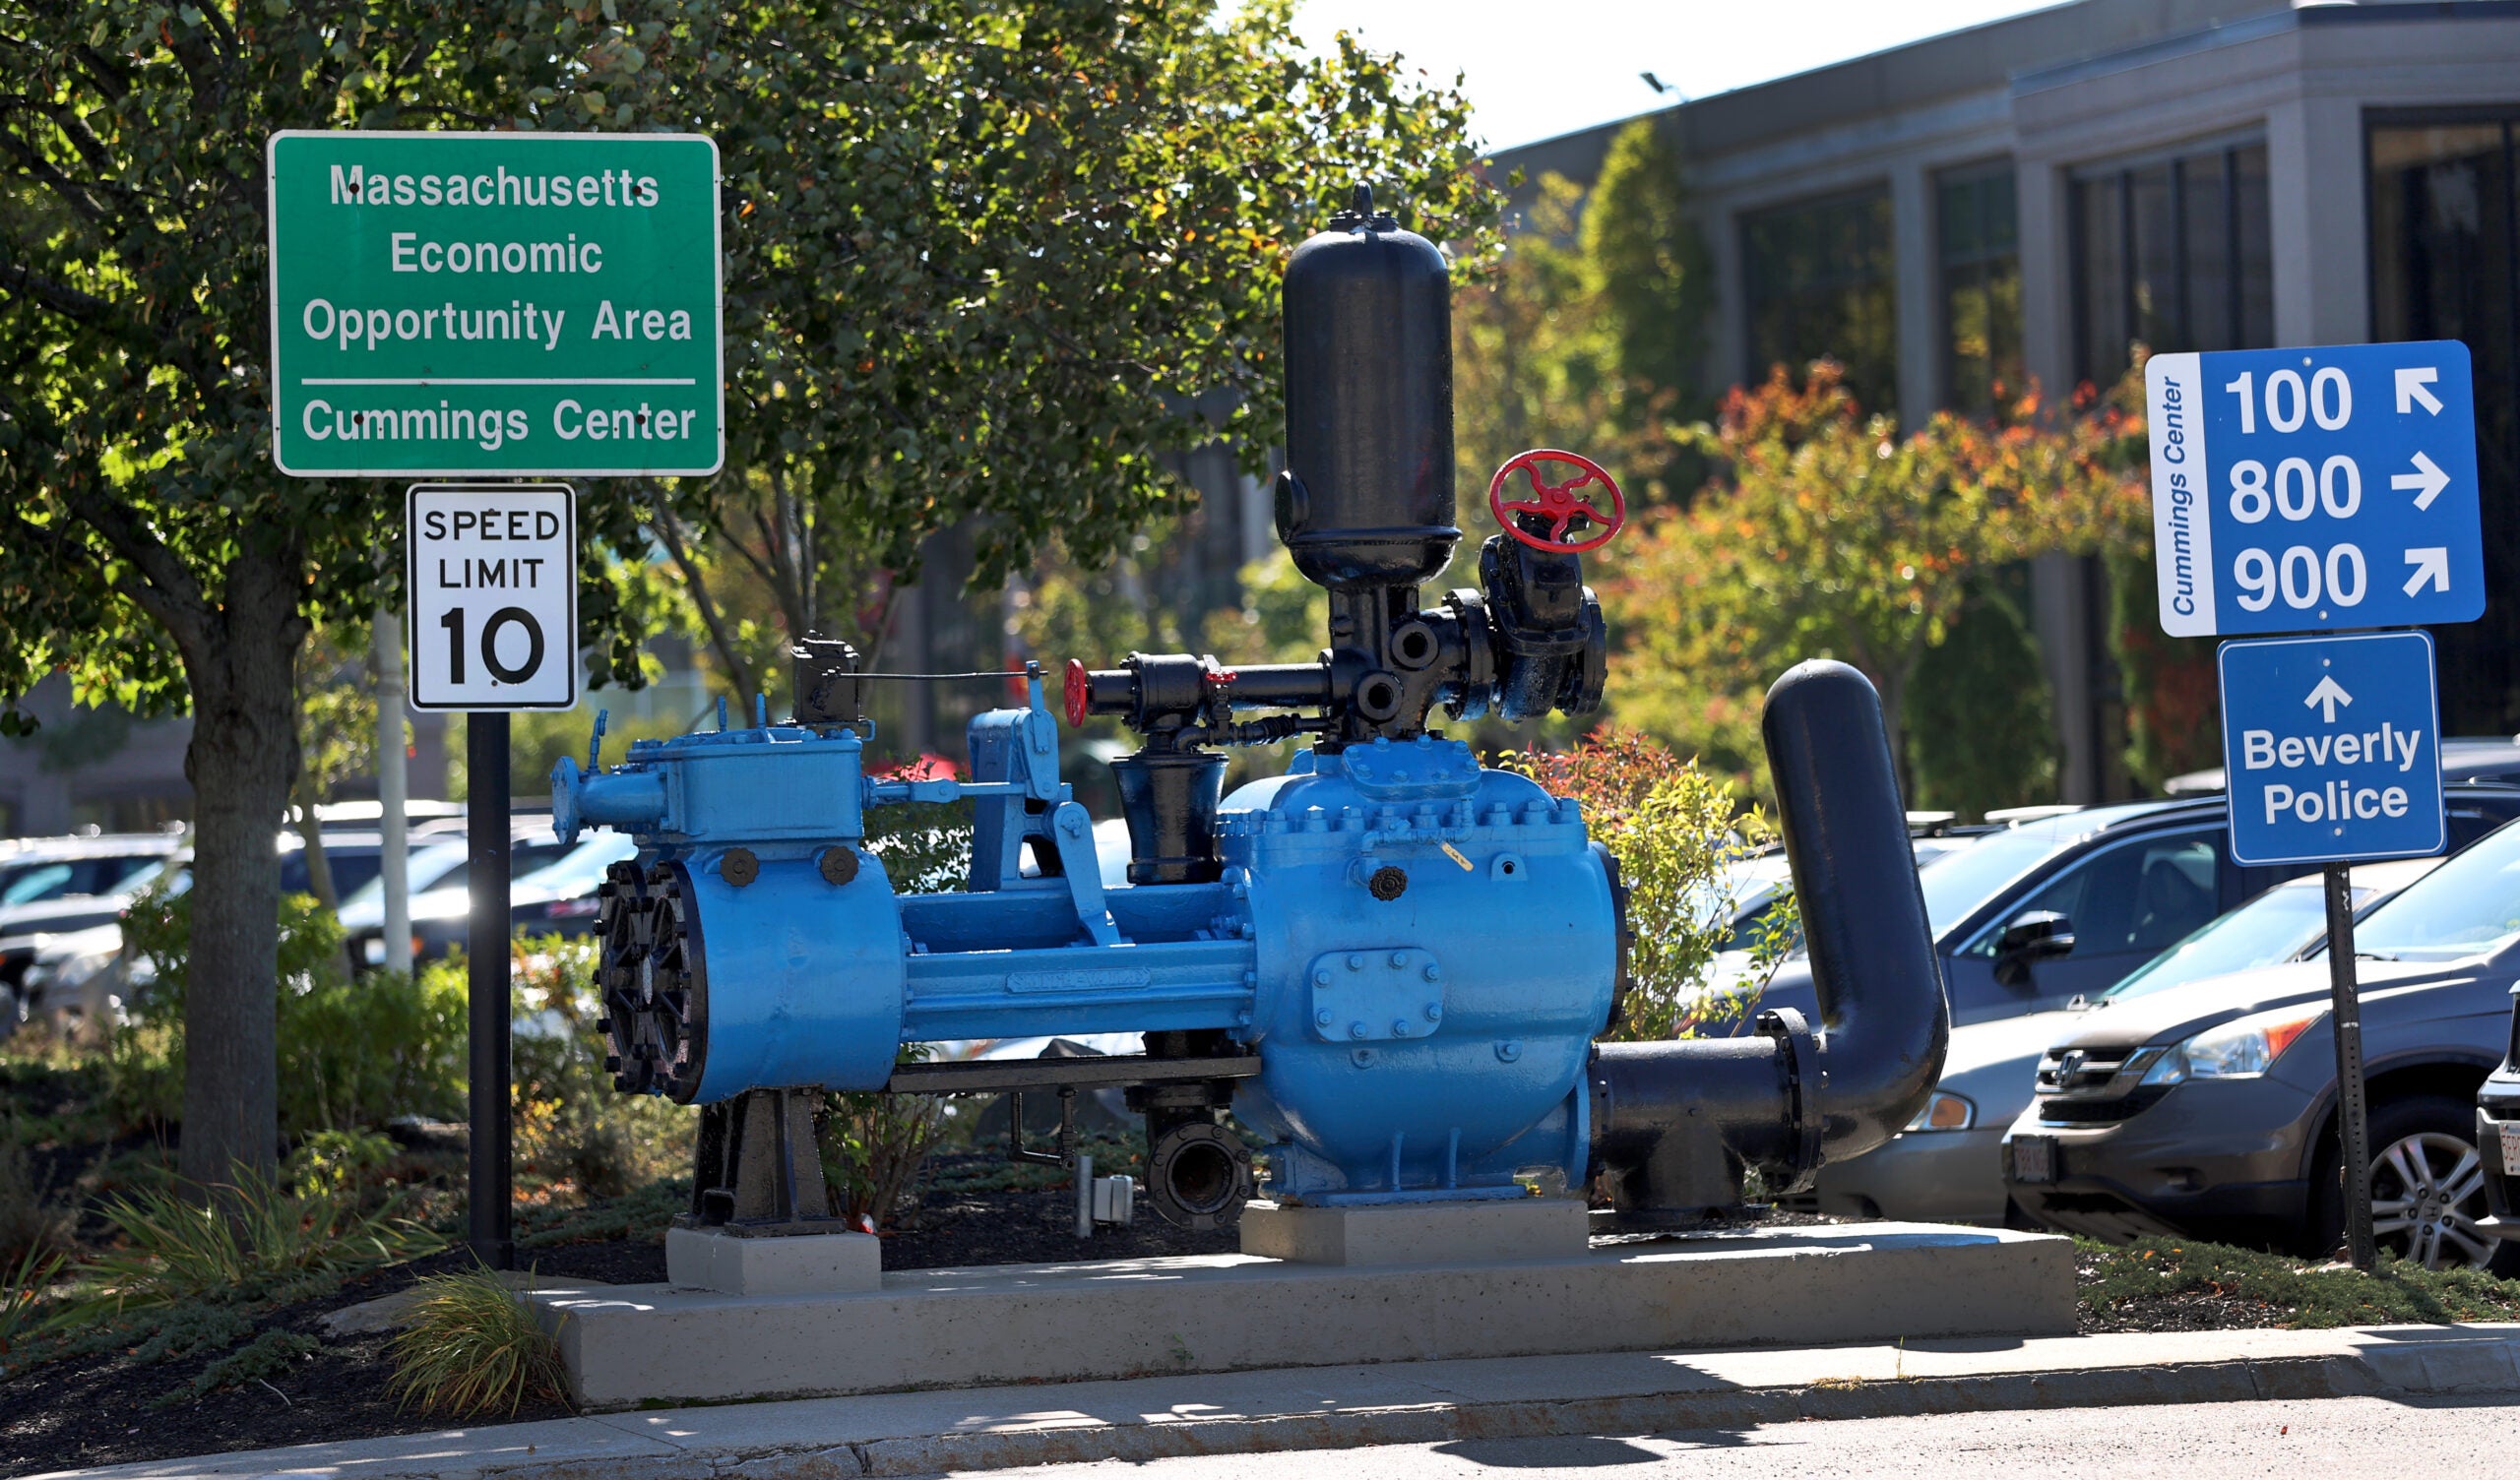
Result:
1558,503
1075,692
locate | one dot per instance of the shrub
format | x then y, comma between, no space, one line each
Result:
347,1162
573,1129
874,1149
1677,835
249,1240
21,1299
30,1228
356,1053
472,1348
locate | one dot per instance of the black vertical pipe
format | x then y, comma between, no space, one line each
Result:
2353,1108
485,826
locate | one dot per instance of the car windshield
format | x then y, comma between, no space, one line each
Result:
2273,927
1958,882
2467,907
583,868
77,878
428,865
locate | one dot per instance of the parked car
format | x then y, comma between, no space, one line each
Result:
2209,1111
55,885
76,977
1947,1165
2486,758
440,919
560,897
2062,906
438,878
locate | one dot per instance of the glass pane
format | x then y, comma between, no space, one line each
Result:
2443,267
2137,897
2153,200
2256,236
1818,277
2100,321
1980,285
2207,187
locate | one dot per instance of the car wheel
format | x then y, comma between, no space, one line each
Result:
2427,1189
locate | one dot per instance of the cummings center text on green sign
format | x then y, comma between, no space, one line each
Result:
512,303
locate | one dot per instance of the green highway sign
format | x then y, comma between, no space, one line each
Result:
509,304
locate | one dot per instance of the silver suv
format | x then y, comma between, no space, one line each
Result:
2208,1110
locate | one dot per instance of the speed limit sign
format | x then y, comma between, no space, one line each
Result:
494,595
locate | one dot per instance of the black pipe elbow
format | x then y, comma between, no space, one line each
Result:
1874,966
1674,1125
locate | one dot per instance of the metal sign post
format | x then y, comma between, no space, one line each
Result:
490,1191
2319,490
493,602
2332,747
2353,1106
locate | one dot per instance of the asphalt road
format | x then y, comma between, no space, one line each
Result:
2296,1439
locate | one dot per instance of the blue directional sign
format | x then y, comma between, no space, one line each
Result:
2300,490
2331,748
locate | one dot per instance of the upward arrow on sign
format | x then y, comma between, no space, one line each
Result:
2326,697
2411,380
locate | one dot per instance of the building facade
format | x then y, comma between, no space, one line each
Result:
2030,198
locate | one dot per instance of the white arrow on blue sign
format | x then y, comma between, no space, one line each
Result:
2296,490
2332,748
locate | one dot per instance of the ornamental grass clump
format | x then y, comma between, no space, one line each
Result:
474,1348
252,1239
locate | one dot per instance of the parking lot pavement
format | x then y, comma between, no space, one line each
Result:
2014,1395
2347,1435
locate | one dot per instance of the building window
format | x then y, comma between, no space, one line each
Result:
2444,220
2171,253
1978,244
1818,282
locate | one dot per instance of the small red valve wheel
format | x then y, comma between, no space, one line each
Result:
1560,503
1075,692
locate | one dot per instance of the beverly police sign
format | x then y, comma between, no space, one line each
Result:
510,303
2331,748
2305,489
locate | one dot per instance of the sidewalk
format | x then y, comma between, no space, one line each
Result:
1416,1402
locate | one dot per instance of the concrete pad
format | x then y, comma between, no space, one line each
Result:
1418,1233
633,1344
805,1264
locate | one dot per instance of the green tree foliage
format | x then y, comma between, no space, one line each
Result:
2173,696
991,254
145,543
1590,333
971,247
1827,534
1982,732
1645,264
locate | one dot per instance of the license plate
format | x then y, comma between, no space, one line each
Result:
2033,1158
2510,1147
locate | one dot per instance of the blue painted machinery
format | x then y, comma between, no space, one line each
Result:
1390,962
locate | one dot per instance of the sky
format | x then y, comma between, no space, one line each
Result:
1538,68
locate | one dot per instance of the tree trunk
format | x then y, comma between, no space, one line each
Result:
243,756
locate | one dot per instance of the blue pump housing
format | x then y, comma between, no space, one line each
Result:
1418,951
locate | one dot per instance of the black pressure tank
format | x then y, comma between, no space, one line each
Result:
1366,499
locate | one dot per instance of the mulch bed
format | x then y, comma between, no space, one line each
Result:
96,1410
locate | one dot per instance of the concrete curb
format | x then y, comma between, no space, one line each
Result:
1330,1408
